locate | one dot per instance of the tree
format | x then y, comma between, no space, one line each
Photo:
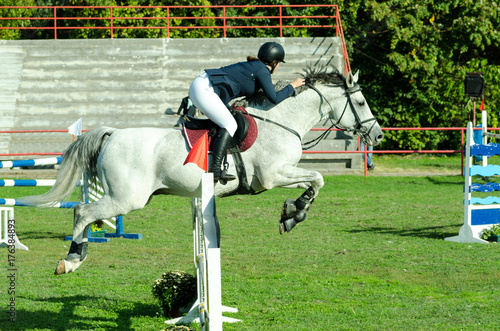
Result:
14,34
413,56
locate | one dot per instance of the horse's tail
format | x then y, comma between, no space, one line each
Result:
81,157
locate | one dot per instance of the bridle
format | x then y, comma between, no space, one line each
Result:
363,132
359,129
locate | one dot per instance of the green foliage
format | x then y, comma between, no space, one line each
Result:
14,34
414,56
183,17
174,289
252,16
494,230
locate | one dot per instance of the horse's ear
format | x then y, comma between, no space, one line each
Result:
356,76
349,79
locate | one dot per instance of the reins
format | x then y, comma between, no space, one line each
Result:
276,123
359,129
325,134
335,124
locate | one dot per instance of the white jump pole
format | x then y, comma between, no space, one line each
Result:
207,309
8,234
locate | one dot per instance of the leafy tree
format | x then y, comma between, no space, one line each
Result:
14,34
100,25
259,18
413,56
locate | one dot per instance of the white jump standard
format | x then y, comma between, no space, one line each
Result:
207,309
479,213
7,229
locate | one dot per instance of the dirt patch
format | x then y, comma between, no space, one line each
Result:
28,173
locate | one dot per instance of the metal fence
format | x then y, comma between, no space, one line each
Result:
359,150
365,151
171,18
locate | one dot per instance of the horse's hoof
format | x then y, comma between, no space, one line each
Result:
286,225
282,228
61,268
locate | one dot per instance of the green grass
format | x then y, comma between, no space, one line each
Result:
428,164
420,164
370,256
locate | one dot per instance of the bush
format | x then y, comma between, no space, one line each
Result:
492,231
174,290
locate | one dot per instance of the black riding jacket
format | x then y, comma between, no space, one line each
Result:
246,79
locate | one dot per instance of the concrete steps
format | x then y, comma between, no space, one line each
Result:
49,84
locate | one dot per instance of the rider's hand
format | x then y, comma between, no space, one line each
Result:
298,82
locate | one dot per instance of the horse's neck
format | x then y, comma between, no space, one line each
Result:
300,113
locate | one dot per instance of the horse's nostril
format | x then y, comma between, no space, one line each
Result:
380,137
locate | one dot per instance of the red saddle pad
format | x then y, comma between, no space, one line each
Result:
192,136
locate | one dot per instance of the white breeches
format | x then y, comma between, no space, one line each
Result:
202,93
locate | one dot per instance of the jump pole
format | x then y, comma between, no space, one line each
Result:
89,192
207,309
7,223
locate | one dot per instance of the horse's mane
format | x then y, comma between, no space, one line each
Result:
312,75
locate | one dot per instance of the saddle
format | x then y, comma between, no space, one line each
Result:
243,139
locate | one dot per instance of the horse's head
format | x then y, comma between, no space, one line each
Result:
348,111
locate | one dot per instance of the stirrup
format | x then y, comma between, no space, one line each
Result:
223,177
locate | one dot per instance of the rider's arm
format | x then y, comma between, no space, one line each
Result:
265,82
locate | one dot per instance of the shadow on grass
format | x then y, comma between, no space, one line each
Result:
440,181
432,232
72,314
42,235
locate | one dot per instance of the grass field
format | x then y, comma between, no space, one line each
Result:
370,256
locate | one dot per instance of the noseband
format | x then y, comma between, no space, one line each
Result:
359,129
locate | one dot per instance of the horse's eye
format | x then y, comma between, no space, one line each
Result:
362,103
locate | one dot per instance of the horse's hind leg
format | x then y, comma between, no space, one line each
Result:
78,249
85,215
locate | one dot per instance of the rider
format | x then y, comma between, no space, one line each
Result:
213,89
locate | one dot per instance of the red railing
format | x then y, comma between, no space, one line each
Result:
365,151
411,151
114,23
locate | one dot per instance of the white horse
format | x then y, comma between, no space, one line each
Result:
134,164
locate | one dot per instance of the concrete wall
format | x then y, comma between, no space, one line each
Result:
49,84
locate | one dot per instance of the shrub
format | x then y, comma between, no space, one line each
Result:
174,290
493,230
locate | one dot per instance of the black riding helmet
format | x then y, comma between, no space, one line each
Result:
271,53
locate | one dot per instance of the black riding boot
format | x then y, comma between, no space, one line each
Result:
222,140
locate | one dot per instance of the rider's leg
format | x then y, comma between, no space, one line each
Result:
203,96
222,140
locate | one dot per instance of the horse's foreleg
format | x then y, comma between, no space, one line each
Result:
295,212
